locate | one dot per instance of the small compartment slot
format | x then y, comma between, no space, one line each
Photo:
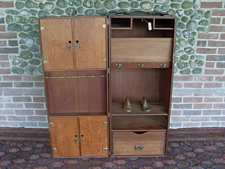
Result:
121,23
139,123
163,24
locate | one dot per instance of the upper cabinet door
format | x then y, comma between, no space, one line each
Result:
56,40
90,41
94,135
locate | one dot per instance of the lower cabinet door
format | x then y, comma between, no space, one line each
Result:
64,133
94,135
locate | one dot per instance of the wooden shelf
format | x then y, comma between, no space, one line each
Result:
138,123
156,110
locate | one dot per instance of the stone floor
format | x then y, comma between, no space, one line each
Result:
181,155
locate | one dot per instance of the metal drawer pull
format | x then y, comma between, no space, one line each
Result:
119,65
139,147
140,65
74,77
163,65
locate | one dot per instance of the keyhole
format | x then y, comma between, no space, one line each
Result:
77,41
69,41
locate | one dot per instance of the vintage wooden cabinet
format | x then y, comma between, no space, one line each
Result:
108,84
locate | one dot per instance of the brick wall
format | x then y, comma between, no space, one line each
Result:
198,100
22,101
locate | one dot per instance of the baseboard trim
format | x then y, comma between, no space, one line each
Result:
187,134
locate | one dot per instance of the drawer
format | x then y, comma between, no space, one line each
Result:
139,143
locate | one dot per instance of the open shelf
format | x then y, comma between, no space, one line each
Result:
156,109
139,123
141,50
164,24
121,23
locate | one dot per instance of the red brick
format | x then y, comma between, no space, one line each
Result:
208,36
223,21
2,28
4,71
6,4
203,78
220,78
219,106
211,4
221,51
12,78
4,58
216,28
210,64
206,50
192,85
217,12
201,43
216,43
214,71
215,20
215,57
8,35
212,85
202,106
220,65
38,99
183,78
192,99
213,99
177,85
222,36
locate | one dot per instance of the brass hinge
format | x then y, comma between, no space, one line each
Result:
108,70
54,148
105,148
42,28
45,60
51,124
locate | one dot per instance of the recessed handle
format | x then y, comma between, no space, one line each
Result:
139,147
77,44
69,44
76,139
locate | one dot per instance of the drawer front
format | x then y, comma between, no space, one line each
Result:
139,143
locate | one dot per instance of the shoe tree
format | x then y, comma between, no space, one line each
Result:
145,105
127,105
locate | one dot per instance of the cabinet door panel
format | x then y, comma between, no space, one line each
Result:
56,40
64,131
91,34
94,135
61,95
91,95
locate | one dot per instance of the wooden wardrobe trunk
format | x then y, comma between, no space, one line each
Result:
94,67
